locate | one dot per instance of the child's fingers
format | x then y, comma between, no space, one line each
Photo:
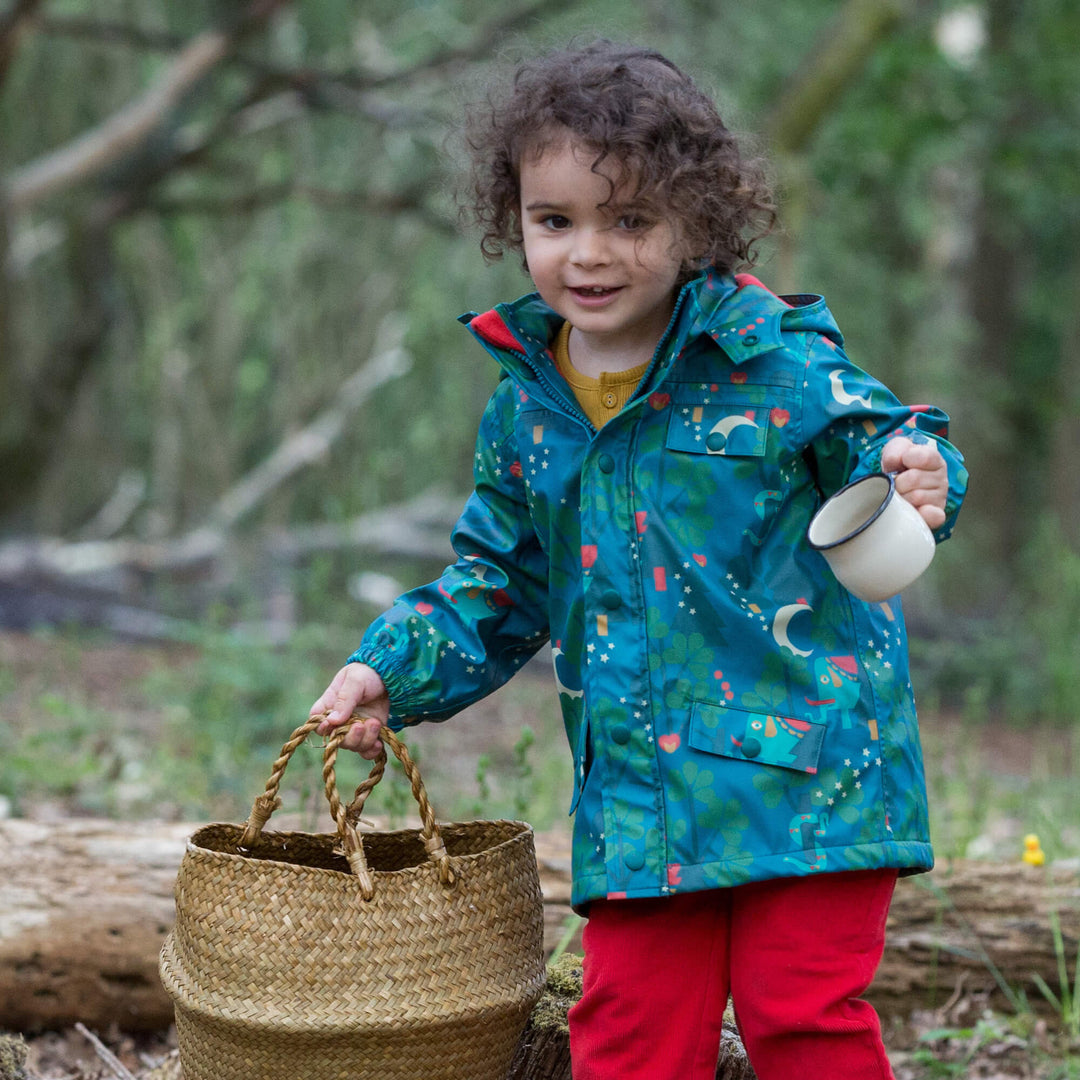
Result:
921,486
325,701
901,454
355,685
921,477
363,738
892,457
929,505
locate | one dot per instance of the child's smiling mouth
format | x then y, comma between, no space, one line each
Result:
592,294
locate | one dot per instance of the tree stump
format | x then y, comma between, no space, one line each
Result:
544,1050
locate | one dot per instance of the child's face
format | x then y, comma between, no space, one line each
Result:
609,273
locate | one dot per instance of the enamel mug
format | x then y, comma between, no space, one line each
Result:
874,540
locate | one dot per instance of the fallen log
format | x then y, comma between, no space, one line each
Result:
977,930
84,908
85,905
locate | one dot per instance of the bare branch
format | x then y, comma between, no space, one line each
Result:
119,508
91,153
109,33
308,78
478,48
270,195
51,555
415,529
418,529
115,1065
314,441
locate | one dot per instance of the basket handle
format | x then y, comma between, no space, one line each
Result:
346,816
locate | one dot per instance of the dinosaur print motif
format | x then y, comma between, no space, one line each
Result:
838,687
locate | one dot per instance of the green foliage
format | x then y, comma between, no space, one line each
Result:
1022,665
523,771
231,320
1066,1001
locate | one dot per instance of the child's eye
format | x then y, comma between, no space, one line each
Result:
555,221
633,223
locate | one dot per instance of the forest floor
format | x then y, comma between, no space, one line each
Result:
110,678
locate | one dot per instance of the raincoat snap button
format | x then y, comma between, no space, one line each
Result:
620,733
750,339
611,600
634,860
716,441
606,463
751,747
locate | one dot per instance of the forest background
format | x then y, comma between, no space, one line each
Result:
237,412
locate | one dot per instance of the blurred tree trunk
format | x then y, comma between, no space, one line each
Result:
41,404
1063,473
38,402
12,24
835,61
1006,434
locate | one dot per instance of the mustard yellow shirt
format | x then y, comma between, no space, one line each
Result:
600,399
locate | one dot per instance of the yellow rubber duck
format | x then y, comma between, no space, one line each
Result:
1033,852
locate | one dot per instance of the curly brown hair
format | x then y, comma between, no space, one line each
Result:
634,108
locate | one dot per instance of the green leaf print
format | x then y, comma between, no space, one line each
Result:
694,522
625,822
693,783
617,506
734,824
772,791
689,653
771,692
655,625
682,691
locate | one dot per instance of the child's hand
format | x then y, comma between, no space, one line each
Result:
355,685
921,476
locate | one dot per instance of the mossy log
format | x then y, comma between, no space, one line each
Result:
85,905
544,1050
13,1055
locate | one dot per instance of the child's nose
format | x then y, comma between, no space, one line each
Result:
590,248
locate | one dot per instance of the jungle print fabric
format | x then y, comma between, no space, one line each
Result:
733,712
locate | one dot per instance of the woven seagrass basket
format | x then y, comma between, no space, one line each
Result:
407,955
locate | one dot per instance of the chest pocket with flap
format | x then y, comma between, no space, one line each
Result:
716,427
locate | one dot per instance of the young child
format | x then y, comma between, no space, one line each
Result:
747,773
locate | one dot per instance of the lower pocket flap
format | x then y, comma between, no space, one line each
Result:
786,741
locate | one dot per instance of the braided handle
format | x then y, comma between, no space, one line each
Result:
345,817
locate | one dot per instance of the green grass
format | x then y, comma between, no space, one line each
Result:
990,784
194,737
192,734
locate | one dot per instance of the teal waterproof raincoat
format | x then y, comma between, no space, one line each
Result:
734,713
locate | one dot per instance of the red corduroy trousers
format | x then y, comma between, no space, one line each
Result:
795,954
